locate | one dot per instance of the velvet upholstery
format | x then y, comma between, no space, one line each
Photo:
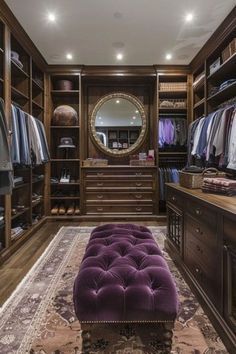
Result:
124,277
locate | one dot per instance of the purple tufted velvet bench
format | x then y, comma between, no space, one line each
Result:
124,278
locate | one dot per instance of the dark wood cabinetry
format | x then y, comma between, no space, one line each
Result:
203,226
119,190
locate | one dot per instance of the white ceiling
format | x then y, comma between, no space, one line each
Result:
94,31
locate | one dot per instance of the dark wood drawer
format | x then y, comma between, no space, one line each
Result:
117,184
136,197
229,231
119,173
174,198
119,209
202,213
204,265
204,232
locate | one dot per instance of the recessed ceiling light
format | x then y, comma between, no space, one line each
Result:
168,56
99,117
51,17
131,123
117,101
101,122
189,17
69,56
134,117
136,111
119,56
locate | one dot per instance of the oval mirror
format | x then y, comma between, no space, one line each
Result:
118,124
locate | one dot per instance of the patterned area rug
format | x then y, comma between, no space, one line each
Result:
39,317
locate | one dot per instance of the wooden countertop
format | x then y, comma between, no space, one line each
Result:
227,204
119,166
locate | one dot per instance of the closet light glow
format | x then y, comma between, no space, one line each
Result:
189,17
168,56
119,56
51,17
69,56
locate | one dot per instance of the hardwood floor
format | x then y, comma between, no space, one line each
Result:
16,267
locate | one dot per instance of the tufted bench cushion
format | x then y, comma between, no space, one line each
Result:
124,278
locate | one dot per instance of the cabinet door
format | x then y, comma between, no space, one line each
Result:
175,227
230,286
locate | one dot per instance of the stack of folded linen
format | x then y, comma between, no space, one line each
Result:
223,186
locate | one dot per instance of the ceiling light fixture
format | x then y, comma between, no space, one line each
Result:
117,101
136,111
134,117
51,17
119,56
131,123
189,17
69,56
168,56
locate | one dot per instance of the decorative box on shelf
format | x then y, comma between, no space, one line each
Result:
215,65
95,162
229,50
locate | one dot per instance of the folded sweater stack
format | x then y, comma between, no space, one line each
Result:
223,186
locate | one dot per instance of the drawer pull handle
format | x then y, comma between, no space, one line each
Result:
198,230
138,173
138,196
139,184
173,198
99,184
138,209
197,270
99,209
198,211
100,174
99,196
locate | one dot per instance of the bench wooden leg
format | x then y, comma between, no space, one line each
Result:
167,336
86,337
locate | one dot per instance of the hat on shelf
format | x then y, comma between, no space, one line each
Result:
66,143
65,115
15,58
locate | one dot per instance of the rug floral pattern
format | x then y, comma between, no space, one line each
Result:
39,317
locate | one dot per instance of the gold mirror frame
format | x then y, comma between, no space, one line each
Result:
113,152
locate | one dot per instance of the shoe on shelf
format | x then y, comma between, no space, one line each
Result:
54,210
71,210
62,209
77,210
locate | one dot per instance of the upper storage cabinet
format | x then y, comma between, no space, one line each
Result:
221,68
37,87
20,75
199,79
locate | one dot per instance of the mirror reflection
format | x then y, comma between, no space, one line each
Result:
118,123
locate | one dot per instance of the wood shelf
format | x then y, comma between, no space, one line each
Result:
19,214
199,86
18,94
65,92
38,106
224,94
171,109
65,127
172,153
199,103
172,94
65,160
36,85
65,184
229,66
17,71
64,198
22,185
